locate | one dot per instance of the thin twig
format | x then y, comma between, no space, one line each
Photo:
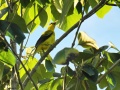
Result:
36,15
21,63
108,71
94,10
18,76
77,30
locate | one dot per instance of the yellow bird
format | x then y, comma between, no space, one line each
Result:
46,39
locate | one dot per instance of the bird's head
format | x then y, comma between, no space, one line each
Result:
52,25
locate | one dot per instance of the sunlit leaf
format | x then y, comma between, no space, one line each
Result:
56,84
113,46
29,51
55,13
42,16
86,41
58,5
45,86
103,11
69,21
7,57
66,7
28,16
65,55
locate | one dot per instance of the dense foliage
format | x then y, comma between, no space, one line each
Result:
93,66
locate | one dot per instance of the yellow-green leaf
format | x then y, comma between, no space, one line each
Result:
103,11
85,41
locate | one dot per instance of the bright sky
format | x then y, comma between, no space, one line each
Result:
102,30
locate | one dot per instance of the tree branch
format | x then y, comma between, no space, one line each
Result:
29,77
79,24
18,77
94,10
108,71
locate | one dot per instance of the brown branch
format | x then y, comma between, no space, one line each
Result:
108,71
18,77
94,10
77,30
29,77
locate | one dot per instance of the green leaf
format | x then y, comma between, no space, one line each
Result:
43,16
66,7
56,84
65,55
49,66
24,2
112,57
92,85
14,32
86,7
111,80
1,70
113,46
103,11
43,73
3,11
45,86
74,84
90,72
14,18
28,16
103,83
103,48
55,13
93,3
116,75
7,57
44,81
83,56
69,21
70,71
58,5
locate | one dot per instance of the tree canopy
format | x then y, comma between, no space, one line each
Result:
94,66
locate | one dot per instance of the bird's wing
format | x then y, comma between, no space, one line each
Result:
43,37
